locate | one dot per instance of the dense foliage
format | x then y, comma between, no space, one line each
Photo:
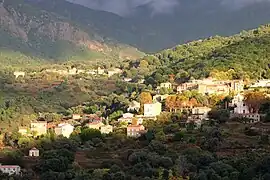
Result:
243,56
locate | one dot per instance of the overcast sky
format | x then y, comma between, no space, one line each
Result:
124,7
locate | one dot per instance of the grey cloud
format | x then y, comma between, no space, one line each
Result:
236,4
124,7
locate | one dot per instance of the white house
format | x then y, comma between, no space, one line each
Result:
240,106
100,71
153,109
114,71
10,169
72,71
76,116
34,152
19,73
261,83
64,129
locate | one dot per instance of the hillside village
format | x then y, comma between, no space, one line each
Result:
197,111
238,103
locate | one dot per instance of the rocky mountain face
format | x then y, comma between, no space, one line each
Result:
32,30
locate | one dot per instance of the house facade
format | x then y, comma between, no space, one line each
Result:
95,125
187,87
253,117
212,86
34,152
203,111
153,109
240,106
76,116
106,129
23,130
64,129
264,83
166,85
127,117
135,130
10,169
213,89
39,127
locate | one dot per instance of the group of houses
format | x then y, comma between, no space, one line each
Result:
65,129
211,86
75,71
16,169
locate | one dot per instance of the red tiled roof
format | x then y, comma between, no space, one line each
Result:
95,122
9,166
135,126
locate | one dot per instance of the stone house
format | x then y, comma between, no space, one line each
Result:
135,130
39,127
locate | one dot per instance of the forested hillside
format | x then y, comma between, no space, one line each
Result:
245,55
30,35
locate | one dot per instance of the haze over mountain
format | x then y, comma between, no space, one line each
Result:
159,24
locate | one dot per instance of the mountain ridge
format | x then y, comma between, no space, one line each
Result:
46,35
189,21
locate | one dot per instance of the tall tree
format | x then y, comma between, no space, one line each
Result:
254,100
170,102
145,98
